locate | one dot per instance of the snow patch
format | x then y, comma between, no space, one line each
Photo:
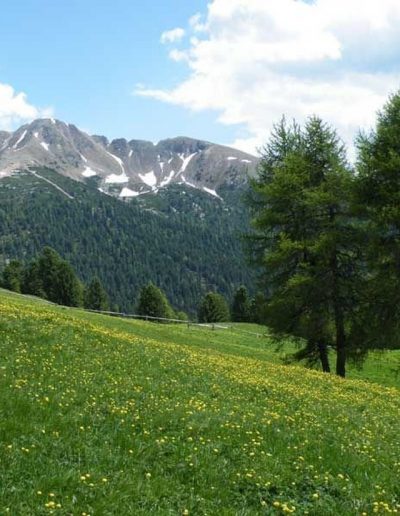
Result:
186,161
114,178
5,144
149,178
88,172
19,140
117,179
187,182
130,153
246,161
127,192
211,192
231,158
83,157
168,179
7,172
118,160
36,135
45,146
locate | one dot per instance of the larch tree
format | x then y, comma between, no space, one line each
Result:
304,239
378,199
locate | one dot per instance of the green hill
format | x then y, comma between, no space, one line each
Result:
103,416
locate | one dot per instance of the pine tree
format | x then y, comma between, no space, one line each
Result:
154,303
378,197
53,278
68,288
12,276
32,282
213,308
257,309
96,297
304,239
48,265
241,306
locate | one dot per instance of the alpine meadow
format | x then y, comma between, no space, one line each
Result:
205,324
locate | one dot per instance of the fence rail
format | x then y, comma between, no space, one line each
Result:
213,326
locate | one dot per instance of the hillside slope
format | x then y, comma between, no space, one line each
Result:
98,418
184,240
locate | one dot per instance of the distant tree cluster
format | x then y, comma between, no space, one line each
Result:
214,308
326,236
52,278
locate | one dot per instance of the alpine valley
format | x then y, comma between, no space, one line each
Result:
129,212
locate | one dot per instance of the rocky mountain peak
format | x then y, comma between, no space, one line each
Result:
123,168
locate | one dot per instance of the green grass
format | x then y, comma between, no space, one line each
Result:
108,416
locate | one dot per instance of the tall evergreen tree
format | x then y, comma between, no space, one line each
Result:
51,277
48,266
12,276
32,281
378,196
213,308
241,306
96,297
304,239
154,303
257,309
68,289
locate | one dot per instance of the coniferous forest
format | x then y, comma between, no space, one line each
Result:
184,241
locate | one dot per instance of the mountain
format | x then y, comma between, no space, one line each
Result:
184,235
125,169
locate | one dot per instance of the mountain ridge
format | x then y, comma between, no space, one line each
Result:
121,167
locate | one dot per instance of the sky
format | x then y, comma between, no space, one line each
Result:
219,70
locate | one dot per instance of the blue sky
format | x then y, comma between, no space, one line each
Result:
228,70
83,58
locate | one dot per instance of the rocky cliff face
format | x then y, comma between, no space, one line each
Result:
123,168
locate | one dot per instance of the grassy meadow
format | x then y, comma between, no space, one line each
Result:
104,416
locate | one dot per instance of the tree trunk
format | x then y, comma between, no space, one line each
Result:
339,315
323,355
341,362
340,345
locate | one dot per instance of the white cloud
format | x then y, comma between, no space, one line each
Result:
172,36
253,60
196,23
15,108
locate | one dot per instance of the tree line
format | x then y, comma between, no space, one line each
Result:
51,277
326,237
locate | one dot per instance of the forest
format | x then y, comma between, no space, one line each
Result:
184,241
